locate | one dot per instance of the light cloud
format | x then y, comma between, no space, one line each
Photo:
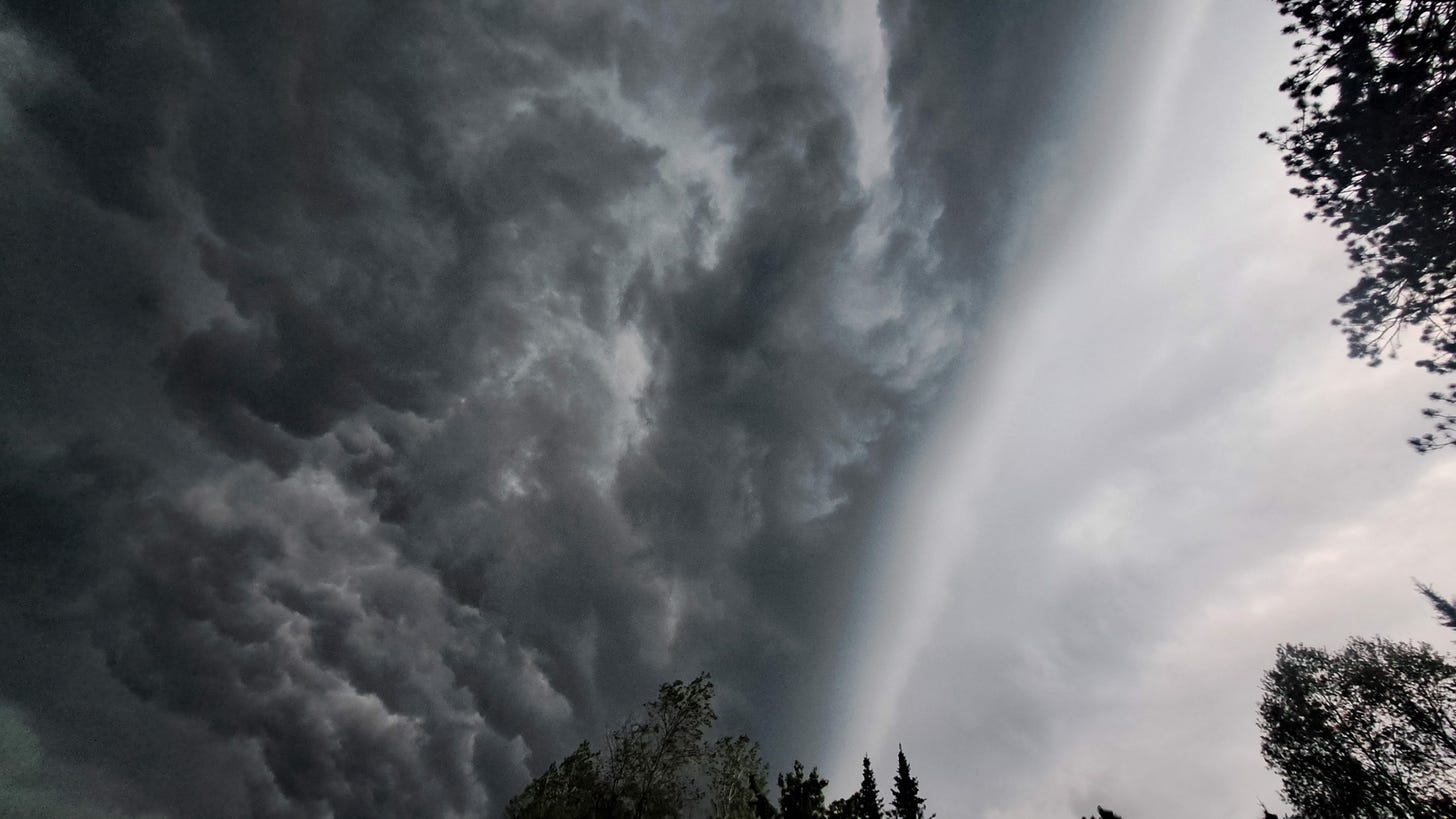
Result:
1170,469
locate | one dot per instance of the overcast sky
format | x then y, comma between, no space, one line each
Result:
392,398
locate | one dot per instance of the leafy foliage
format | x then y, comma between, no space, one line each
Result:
1103,813
652,767
738,774
572,789
653,764
1374,144
1367,732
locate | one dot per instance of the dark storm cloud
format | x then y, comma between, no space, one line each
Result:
391,400
976,86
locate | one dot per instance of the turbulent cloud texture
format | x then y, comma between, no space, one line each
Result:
393,394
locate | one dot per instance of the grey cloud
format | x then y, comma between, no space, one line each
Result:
979,90
387,408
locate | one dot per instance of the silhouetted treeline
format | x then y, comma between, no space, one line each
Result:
1369,731
664,765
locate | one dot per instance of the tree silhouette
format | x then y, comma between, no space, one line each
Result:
652,763
802,796
572,789
661,765
1367,732
867,803
1445,609
737,775
1103,813
651,767
1374,144
905,801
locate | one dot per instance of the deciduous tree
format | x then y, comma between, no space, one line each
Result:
1367,732
572,789
653,763
1373,143
736,777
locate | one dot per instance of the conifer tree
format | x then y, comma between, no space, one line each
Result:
905,801
801,796
866,803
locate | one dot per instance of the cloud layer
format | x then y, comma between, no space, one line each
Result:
1161,466
393,396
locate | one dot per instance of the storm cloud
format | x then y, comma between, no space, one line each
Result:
394,394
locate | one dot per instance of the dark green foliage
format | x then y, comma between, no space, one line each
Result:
652,767
572,789
1374,145
905,801
1103,813
867,803
1367,732
842,808
802,796
652,764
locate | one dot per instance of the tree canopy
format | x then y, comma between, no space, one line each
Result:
1374,145
662,764
801,796
653,767
1366,732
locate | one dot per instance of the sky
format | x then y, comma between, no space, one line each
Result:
393,396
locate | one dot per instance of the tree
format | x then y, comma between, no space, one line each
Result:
736,778
763,808
1103,813
1367,732
905,801
1445,609
867,803
651,768
652,764
571,790
802,796
1374,144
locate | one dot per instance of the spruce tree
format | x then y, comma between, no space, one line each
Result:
905,802
867,803
801,796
